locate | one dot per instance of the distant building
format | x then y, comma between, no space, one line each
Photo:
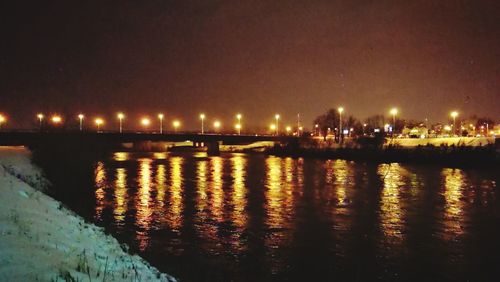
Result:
419,131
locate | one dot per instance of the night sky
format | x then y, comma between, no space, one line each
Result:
254,57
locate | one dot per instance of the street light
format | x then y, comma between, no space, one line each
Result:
176,125
202,117
56,119
454,115
145,122
238,127
216,125
98,122
2,120
288,129
341,110
238,116
80,117
272,127
121,116
160,116
364,126
40,118
394,112
277,117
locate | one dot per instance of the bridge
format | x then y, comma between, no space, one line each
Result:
114,140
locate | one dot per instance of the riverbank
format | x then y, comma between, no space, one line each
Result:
455,156
41,240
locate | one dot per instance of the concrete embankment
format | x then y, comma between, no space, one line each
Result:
41,240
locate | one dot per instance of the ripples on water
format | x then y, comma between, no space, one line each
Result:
244,217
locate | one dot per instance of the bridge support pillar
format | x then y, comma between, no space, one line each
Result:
213,148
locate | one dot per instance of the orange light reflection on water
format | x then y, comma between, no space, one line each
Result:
121,156
142,202
174,212
161,186
100,192
454,185
238,195
391,213
279,199
120,207
217,194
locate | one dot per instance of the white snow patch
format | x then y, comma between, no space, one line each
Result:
40,240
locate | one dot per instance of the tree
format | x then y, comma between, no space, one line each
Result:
373,122
328,120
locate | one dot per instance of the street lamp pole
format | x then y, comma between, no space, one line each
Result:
394,112
454,115
238,116
202,117
160,116
2,120
98,122
40,118
120,118
80,117
277,117
340,109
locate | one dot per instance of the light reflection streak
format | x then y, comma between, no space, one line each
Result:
238,198
216,192
278,199
161,186
342,180
160,155
121,156
100,193
391,213
273,193
201,182
174,214
120,196
142,202
453,191
279,208
343,183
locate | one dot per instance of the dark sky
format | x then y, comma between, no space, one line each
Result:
254,57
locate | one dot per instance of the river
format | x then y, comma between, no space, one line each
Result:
240,217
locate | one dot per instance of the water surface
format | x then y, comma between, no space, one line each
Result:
253,217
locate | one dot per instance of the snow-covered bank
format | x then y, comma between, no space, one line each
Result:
40,240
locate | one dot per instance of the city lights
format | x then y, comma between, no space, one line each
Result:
99,122
340,110
160,117
145,122
121,116
217,125
2,120
454,115
277,117
393,112
56,119
238,126
176,125
202,117
40,119
272,127
80,118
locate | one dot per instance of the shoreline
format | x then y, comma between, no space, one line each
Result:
446,155
43,240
